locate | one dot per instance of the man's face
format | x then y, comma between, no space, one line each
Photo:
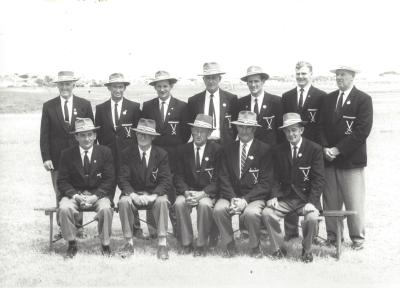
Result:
212,82
255,84
144,140
117,91
200,135
344,79
246,133
66,88
293,133
86,139
303,76
163,89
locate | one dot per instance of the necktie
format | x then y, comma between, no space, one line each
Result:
162,111
116,114
339,104
86,163
255,110
294,156
243,157
211,110
301,99
144,165
66,112
198,165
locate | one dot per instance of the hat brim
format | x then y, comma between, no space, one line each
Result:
146,132
345,69
70,80
123,82
263,75
210,74
245,124
291,124
170,80
194,125
86,130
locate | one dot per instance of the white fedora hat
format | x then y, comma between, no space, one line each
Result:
161,76
345,68
203,121
117,78
84,125
146,126
211,68
255,70
247,118
291,119
66,76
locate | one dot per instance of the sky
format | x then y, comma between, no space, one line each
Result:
97,38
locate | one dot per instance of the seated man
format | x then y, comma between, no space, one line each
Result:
85,181
145,180
245,180
196,186
299,171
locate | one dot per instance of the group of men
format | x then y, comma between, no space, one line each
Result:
262,157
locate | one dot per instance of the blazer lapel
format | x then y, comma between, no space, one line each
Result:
151,166
265,106
191,158
348,101
60,116
124,110
157,112
250,157
73,116
77,160
234,158
170,109
94,159
108,114
222,107
288,152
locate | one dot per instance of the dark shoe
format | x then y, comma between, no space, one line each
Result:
138,233
306,257
105,250
256,252
290,237
199,252
279,254
212,242
81,233
126,251
331,242
187,249
230,250
318,241
72,249
162,253
244,234
357,246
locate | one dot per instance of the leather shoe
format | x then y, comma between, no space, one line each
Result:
162,253
230,250
256,252
279,254
72,249
318,241
200,251
187,249
126,251
357,246
105,250
212,242
138,233
306,257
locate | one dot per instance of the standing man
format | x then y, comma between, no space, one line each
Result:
267,107
86,182
116,117
58,120
218,103
170,116
346,120
305,100
145,180
299,171
245,183
196,186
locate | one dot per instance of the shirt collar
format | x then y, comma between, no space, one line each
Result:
260,98
82,151
216,93
306,89
148,151
114,102
202,147
70,99
248,144
298,145
166,101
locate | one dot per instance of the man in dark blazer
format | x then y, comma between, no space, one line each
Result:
145,181
245,180
299,174
86,181
218,103
346,121
306,100
196,186
116,117
268,107
58,120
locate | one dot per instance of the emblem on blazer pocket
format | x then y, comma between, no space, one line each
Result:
154,174
348,102
124,112
349,122
264,106
127,128
306,172
99,175
251,157
312,113
224,104
206,158
254,172
269,121
210,172
173,125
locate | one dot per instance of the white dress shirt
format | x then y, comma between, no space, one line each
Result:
345,95
216,134
69,105
248,145
148,151
166,105
201,152
119,107
89,154
260,100
298,145
305,94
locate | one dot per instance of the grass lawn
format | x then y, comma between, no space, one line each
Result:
24,185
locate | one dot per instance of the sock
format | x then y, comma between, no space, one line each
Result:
162,241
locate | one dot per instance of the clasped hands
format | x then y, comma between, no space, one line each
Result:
143,199
193,197
237,206
273,203
331,153
85,201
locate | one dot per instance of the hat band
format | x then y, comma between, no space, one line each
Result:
248,121
117,80
291,122
85,128
212,71
202,124
66,78
146,129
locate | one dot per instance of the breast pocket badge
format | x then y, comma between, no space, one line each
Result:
174,125
254,172
127,128
269,121
229,118
210,172
305,171
312,113
154,174
349,123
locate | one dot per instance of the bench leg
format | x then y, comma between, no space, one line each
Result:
338,238
51,231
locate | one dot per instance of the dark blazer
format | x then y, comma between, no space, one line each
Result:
270,118
121,137
350,130
228,112
310,112
303,178
250,186
157,179
72,180
186,176
54,132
